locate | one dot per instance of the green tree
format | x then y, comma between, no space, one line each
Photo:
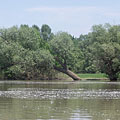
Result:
84,43
46,32
108,57
62,48
106,49
23,54
36,27
101,50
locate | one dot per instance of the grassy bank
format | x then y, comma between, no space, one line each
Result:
92,76
84,76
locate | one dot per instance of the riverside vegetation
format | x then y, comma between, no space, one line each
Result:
36,53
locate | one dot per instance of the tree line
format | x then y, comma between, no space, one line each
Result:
36,53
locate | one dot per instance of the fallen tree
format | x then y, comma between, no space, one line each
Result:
62,48
69,73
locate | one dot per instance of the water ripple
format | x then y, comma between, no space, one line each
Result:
35,93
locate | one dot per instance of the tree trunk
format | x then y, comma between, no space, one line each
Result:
72,75
69,73
113,77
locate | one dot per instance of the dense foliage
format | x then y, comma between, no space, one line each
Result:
101,49
23,54
36,53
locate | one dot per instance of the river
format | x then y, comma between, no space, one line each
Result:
36,100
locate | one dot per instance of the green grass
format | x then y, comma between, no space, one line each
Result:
92,76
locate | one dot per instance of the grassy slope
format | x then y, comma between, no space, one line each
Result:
93,76
85,76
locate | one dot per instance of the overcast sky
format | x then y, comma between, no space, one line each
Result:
73,16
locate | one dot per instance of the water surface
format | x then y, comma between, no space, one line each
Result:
20,100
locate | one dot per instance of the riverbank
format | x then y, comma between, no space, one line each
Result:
93,76
85,76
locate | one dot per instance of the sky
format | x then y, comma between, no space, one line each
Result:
73,16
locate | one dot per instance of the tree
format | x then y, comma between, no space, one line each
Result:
106,49
84,43
46,32
29,37
23,54
62,48
108,57
101,50
9,52
36,27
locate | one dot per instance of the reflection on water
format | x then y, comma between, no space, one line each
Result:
21,100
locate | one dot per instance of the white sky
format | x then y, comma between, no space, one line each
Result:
73,16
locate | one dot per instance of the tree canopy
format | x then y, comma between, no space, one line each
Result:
23,54
63,50
36,53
